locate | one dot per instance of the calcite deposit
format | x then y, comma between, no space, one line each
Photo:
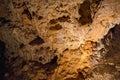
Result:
60,39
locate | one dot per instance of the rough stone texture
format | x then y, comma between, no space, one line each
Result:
109,66
61,39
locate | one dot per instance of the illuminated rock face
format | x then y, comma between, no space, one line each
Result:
59,39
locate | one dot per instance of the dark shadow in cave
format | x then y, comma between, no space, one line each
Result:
37,41
2,60
113,54
85,13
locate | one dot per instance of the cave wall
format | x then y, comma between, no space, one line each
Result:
56,39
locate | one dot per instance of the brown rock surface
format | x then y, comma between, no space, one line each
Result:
60,39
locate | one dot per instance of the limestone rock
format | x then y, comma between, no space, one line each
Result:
59,39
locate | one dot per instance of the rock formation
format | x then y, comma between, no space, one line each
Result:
60,39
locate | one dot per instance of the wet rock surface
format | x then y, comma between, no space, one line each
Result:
60,39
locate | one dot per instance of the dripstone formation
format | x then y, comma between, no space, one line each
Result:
60,39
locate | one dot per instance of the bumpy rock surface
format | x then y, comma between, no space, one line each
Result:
60,39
